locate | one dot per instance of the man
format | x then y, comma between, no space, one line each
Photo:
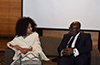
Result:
76,52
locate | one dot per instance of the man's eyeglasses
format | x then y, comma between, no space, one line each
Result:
73,28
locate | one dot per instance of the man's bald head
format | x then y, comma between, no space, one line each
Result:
74,28
76,23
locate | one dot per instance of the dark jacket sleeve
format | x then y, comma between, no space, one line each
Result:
86,44
63,44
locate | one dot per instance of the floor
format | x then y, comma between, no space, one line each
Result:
1,57
3,46
49,62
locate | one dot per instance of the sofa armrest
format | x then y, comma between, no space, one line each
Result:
9,53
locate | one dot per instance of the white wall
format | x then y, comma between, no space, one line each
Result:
60,13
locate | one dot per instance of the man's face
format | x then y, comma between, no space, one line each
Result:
74,29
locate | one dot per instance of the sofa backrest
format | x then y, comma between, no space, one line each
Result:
50,45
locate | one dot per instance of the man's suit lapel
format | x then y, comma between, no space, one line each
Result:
67,39
78,40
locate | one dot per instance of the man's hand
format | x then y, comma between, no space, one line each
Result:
67,51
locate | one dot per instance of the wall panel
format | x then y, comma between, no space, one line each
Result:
10,12
60,33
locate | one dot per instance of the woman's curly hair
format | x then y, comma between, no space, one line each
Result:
22,24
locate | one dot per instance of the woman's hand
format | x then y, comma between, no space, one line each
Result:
30,48
24,50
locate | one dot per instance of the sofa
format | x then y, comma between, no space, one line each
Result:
49,46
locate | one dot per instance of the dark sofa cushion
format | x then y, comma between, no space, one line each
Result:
9,53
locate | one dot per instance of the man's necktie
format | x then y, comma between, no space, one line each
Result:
70,43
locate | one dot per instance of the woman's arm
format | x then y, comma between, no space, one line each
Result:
22,50
16,47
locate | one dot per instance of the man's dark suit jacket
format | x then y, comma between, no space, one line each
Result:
83,44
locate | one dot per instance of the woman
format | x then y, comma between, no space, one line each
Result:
26,43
